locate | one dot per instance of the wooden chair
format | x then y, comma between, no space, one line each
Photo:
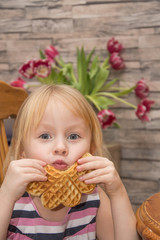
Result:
148,218
11,99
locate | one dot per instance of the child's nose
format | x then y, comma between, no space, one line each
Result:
60,152
60,147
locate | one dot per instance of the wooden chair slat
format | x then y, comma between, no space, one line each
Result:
3,147
11,98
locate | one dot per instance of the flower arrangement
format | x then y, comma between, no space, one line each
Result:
91,78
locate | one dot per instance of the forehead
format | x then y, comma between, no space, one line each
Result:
63,109
69,103
59,117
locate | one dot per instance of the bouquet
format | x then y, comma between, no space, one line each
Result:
91,77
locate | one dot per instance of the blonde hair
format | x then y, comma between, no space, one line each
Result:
32,110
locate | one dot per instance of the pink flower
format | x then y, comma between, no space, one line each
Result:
114,46
42,68
106,118
143,108
142,89
19,82
27,69
116,61
51,52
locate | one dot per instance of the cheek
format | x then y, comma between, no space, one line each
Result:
81,150
30,151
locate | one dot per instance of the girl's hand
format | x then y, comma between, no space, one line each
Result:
19,174
103,172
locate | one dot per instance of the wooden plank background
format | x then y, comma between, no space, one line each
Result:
26,26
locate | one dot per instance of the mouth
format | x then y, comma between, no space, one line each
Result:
60,165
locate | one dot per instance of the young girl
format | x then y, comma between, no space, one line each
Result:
56,126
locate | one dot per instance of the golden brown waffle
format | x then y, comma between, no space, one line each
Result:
61,187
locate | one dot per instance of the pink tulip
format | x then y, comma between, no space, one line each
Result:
142,89
51,52
143,108
19,82
27,69
116,61
42,68
106,118
114,46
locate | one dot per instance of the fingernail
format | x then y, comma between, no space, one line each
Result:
80,178
44,164
78,168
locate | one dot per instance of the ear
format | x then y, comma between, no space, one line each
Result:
22,152
22,155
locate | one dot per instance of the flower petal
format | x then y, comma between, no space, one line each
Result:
106,118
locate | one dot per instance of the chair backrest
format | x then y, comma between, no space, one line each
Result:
11,98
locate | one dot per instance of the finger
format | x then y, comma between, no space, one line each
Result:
35,177
85,159
100,179
40,171
29,163
94,174
92,159
95,165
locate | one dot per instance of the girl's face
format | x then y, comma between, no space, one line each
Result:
60,139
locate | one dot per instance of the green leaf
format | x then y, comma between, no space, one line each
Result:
104,102
94,67
88,59
42,55
100,79
61,79
82,71
72,75
124,92
118,99
115,124
100,102
108,85
93,100
106,62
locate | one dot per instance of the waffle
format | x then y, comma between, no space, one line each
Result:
61,187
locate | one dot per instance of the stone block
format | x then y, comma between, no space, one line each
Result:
10,26
141,169
140,190
54,26
52,13
27,45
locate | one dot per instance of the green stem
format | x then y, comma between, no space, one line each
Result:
117,89
117,98
56,67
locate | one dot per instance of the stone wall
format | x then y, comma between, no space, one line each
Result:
26,26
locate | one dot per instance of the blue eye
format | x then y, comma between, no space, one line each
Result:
45,136
73,136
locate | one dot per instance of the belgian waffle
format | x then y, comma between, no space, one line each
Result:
61,187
